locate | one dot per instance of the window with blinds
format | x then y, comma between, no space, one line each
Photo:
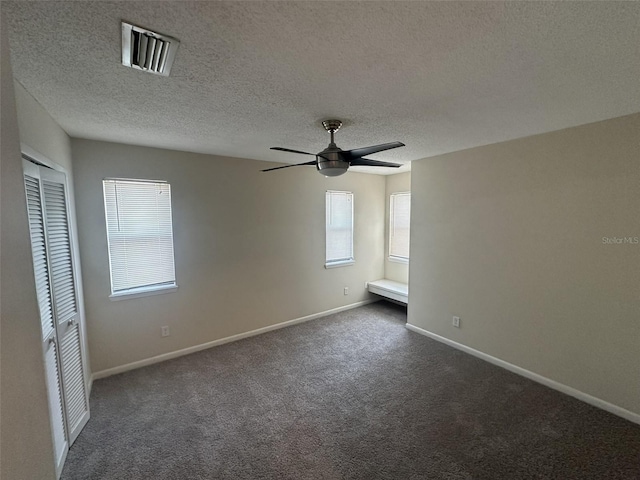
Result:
140,236
399,219
339,229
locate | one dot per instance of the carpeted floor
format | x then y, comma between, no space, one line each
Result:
350,396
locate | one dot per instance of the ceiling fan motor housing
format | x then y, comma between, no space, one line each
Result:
330,163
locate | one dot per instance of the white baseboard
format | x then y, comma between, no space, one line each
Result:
585,397
203,346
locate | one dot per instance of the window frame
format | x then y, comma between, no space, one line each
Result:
141,290
391,257
343,262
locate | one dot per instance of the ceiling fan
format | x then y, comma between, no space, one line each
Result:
333,161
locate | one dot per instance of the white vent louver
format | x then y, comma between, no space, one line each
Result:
148,51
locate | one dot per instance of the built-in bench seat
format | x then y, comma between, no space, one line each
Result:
390,289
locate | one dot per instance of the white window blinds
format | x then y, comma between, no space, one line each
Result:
399,220
339,228
139,234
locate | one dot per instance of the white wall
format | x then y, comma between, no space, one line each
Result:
25,440
510,238
249,248
393,270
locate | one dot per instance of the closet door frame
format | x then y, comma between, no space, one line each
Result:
38,159
50,340
34,156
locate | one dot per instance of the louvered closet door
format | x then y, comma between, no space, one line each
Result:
65,300
43,290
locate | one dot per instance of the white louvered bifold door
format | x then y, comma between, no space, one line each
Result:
65,300
43,290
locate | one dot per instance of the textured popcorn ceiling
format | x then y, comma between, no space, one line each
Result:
438,76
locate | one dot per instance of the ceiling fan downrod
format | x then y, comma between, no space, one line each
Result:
332,126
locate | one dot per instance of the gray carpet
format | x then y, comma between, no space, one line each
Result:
350,396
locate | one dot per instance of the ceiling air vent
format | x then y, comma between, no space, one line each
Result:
148,51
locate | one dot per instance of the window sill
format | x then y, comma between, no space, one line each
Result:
343,263
142,292
398,260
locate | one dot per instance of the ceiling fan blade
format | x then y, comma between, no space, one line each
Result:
358,162
291,151
287,166
363,152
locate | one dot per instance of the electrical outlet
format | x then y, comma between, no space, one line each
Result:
164,331
346,290
456,322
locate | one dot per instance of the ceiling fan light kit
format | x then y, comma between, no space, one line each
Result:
333,161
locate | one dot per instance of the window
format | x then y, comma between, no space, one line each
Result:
140,236
339,229
399,216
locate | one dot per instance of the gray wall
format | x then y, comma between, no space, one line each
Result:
249,248
51,145
27,449
510,238
41,132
